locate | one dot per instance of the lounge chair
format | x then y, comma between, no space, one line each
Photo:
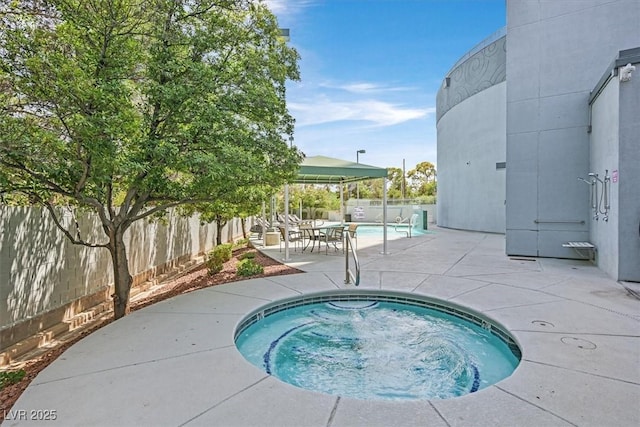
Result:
259,227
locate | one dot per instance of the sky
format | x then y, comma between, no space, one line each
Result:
370,71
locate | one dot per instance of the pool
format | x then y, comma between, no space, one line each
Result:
376,230
377,346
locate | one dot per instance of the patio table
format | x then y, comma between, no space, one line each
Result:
318,234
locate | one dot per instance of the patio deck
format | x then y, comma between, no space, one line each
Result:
175,363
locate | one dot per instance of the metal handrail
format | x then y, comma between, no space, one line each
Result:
350,248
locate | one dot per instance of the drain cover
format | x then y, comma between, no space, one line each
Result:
543,323
579,342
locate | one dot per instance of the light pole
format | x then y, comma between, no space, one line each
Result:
358,161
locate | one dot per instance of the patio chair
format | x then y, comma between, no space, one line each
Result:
295,236
335,237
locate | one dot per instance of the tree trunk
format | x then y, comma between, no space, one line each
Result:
243,224
121,276
219,227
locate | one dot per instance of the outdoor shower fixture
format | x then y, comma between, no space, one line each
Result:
597,199
595,175
585,181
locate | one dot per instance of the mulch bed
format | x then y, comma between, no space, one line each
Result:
195,279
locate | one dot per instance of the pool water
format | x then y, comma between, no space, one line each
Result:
376,230
376,350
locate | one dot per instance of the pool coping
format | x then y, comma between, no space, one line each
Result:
459,311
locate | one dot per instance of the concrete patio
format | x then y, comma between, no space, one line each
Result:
175,363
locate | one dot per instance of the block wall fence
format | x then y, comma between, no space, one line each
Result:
45,280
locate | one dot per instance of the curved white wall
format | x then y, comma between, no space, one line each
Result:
471,140
471,114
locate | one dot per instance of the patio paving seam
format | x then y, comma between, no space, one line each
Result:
284,285
479,275
522,305
467,252
560,282
575,333
422,282
537,406
189,313
334,410
563,298
630,316
468,291
224,400
337,285
439,413
241,295
129,365
578,371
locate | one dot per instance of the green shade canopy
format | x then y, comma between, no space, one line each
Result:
327,170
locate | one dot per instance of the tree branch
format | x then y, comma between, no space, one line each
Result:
75,241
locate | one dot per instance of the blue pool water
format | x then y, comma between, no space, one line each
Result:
376,230
376,350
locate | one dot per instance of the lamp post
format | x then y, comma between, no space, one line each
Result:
358,161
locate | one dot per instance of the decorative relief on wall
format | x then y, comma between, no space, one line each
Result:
484,69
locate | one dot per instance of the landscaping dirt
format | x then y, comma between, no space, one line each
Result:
197,278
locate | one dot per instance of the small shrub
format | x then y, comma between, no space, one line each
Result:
248,267
242,243
213,264
247,255
13,377
217,257
224,251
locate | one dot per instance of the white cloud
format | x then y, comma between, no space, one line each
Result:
284,8
358,87
364,87
378,113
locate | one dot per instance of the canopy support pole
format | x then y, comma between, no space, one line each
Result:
264,223
286,223
342,210
300,209
384,216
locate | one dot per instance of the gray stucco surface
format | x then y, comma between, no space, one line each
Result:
485,68
629,182
471,140
556,56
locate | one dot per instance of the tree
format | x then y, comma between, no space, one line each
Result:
126,108
395,176
315,198
423,179
240,202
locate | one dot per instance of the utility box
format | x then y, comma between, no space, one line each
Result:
425,218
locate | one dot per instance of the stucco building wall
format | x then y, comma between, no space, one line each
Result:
563,119
615,157
556,54
471,112
472,138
